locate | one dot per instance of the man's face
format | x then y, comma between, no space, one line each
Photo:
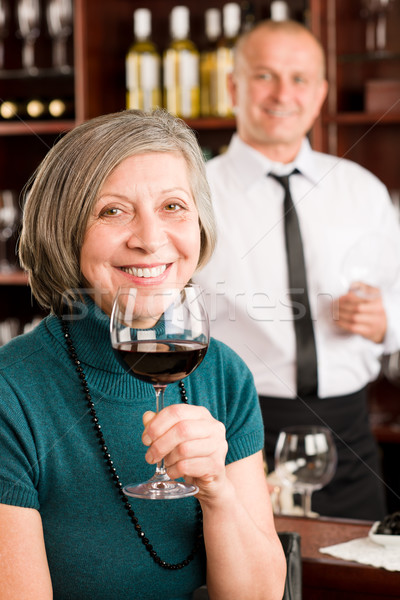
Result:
278,89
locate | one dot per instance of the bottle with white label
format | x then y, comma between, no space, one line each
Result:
231,26
279,11
181,68
208,63
143,86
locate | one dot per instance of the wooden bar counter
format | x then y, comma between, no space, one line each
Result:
328,578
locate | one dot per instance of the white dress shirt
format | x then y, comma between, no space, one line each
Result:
339,204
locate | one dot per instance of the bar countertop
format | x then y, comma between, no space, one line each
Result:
329,578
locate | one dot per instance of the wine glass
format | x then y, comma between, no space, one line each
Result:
371,261
28,18
59,14
160,336
376,14
305,457
9,220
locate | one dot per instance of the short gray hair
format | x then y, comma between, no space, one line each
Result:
61,194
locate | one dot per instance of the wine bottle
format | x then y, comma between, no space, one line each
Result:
181,68
36,109
142,66
208,63
231,27
22,110
279,11
10,110
61,108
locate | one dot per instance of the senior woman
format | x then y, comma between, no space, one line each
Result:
67,530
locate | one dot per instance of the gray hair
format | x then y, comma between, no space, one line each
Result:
61,194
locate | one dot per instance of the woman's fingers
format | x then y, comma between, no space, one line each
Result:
159,424
190,440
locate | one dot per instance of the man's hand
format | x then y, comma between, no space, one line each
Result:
361,312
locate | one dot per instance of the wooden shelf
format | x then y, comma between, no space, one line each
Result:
345,128
30,127
363,118
22,74
377,56
16,278
203,123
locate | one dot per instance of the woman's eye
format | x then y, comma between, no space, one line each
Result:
110,212
173,207
117,214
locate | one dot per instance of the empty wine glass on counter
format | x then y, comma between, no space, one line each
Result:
9,220
306,458
160,337
59,14
28,19
4,20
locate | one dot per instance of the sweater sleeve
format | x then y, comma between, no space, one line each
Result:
244,424
19,465
224,384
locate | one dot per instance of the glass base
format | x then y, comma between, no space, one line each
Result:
160,487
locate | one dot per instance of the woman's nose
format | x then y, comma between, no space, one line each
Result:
146,233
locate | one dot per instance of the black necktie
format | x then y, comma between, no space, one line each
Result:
307,376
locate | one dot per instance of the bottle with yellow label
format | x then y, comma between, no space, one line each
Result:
208,63
181,68
231,26
143,86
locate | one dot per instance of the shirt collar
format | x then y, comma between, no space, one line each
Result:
252,165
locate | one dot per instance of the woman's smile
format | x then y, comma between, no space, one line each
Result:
146,272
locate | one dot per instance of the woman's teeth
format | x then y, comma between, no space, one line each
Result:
145,271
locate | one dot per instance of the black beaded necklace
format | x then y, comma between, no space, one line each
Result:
113,472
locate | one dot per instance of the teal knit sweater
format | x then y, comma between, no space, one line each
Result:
51,459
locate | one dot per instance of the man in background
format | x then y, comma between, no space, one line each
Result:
310,328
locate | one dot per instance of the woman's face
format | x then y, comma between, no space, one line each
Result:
144,229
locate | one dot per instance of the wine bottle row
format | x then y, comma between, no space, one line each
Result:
56,108
185,80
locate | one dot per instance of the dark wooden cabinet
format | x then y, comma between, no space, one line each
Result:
361,117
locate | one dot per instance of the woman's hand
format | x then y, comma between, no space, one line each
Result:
361,312
192,443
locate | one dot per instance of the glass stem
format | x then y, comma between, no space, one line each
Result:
28,54
60,53
160,389
306,502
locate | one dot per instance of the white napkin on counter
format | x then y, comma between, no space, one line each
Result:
367,552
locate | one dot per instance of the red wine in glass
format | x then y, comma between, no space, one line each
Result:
160,337
162,362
